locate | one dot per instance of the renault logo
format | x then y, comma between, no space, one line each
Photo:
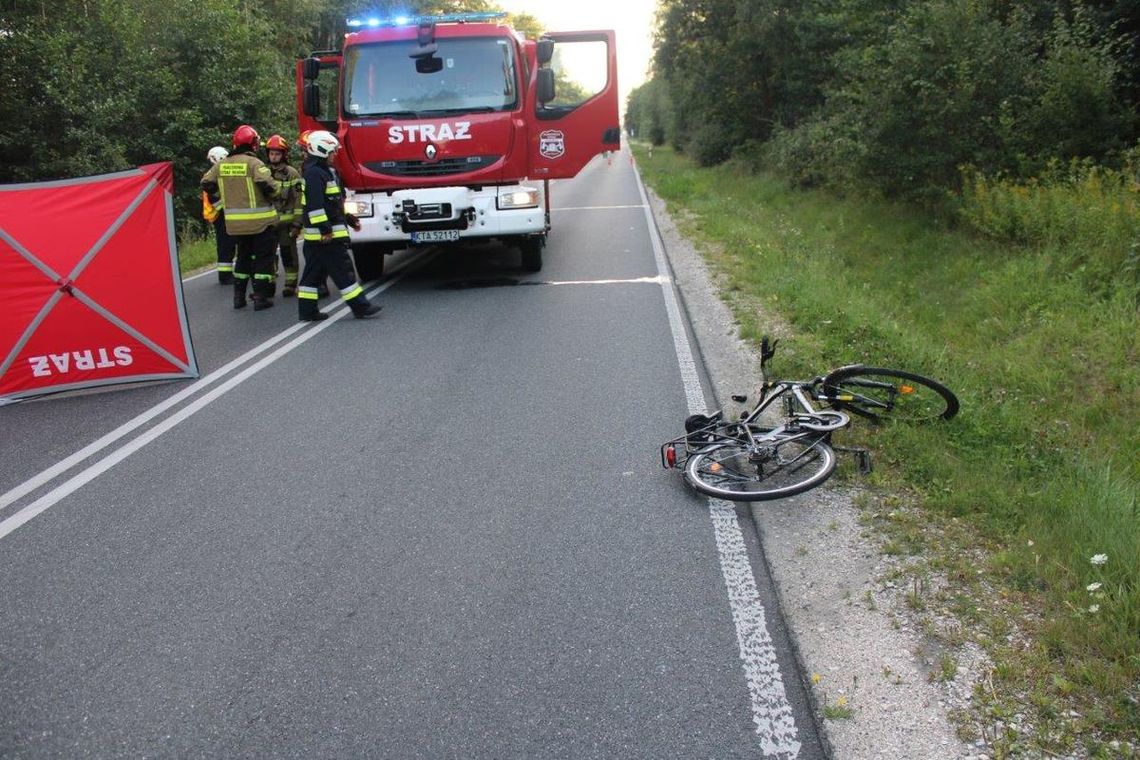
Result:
430,152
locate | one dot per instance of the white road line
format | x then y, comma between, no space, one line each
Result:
771,711
632,280
212,270
595,208
31,484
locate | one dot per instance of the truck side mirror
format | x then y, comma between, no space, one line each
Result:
545,92
311,68
544,48
311,99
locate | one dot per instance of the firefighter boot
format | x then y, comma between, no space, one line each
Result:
263,294
308,311
239,292
362,308
290,288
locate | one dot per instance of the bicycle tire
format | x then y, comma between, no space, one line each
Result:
727,471
880,393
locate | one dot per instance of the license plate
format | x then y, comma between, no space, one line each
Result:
435,236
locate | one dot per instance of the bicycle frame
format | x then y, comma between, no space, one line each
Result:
802,419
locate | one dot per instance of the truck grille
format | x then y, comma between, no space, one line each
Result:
442,167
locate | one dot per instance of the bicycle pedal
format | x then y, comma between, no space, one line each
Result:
863,462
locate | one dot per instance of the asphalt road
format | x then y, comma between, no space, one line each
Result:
439,533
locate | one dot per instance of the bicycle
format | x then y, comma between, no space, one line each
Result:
745,460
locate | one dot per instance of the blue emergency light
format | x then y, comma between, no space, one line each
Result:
449,18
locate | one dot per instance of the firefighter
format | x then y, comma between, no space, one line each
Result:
288,208
246,187
306,159
326,234
213,213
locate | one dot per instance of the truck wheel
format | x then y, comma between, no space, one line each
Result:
531,249
369,260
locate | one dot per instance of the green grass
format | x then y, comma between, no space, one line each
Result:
1039,471
196,254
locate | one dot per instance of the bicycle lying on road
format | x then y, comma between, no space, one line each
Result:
748,460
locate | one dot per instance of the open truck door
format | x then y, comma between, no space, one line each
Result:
575,97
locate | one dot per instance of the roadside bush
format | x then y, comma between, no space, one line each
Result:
930,97
822,152
1086,216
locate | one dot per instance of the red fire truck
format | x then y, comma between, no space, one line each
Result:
453,126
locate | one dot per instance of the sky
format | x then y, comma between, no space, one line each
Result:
631,20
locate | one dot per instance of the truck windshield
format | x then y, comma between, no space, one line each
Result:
478,74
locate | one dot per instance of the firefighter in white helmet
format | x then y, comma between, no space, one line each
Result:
214,214
326,234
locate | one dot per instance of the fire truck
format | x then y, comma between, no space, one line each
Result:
453,126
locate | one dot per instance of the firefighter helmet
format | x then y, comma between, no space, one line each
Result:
216,154
246,136
277,142
303,139
321,144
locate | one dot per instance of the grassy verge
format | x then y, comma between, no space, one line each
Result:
1018,500
196,254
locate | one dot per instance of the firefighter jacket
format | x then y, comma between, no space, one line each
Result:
323,200
245,186
288,203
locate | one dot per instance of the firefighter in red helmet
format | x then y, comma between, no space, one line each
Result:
246,187
288,205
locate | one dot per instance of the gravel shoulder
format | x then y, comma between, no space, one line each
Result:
858,641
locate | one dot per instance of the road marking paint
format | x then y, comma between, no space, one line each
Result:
595,208
633,280
212,270
771,710
31,484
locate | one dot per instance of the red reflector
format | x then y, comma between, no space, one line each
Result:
671,456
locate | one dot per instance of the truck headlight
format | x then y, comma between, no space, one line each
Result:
358,208
525,198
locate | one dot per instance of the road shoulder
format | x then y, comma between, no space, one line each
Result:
869,664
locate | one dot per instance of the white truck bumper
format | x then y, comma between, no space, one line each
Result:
432,215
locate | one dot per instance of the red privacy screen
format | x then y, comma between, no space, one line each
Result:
90,288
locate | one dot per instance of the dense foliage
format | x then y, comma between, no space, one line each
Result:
890,95
94,86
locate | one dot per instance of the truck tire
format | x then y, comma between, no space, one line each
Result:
369,260
531,250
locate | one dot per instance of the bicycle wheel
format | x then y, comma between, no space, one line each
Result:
771,470
880,393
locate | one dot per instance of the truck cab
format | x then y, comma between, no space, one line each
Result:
453,126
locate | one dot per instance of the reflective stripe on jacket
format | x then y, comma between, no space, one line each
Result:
288,203
323,200
246,186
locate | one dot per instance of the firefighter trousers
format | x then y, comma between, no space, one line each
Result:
328,260
287,244
256,260
226,245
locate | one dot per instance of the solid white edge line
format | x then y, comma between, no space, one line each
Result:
593,208
771,710
211,270
31,484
